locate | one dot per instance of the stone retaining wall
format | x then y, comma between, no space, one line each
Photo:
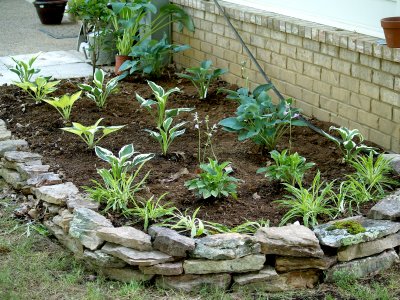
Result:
334,75
274,259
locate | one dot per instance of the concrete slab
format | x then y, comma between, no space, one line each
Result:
46,59
73,70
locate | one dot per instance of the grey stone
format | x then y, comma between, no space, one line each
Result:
336,238
171,242
56,194
267,274
394,161
84,226
31,170
365,266
100,259
135,257
125,274
387,208
78,201
44,179
12,145
287,263
369,248
126,236
12,177
193,283
51,210
253,262
290,240
63,219
225,246
5,134
68,241
25,157
166,269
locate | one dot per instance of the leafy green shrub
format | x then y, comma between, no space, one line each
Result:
310,203
64,104
100,91
288,168
186,223
24,70
259,119
120,183
202,76
39,88
88,133
214,180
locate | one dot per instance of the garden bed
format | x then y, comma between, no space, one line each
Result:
66,154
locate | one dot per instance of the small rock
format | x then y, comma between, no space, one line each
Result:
126,236
33,213
5,134
27,158
78,201
56,194
44,179
100,259
387,208
13,178
394,161
63,219
171,242
193,283
166,269
12,145
31,171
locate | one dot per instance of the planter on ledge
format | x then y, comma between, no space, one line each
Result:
391,28
50,11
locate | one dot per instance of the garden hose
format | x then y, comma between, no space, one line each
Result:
267,79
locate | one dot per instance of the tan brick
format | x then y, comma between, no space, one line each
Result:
350,83
263,31
347,111
368,119
341,66
210,17
293,90
364,73
289,51
328,104
323,60
390,67
397,84
348,55
380,138
395,145
360,101
278,60
195,44
248,27
206,47
340,121
263,55
305,108
287,76
390,97
330,77
382,109
312,45
330,50
199,55
369,89
295,40
384,79
312,71
322,88
389,127
230,55
370,61
277,35
210,38
321,114
235,69
295,65
234,46
257,41
218,29
305,55
218,51
310,97
341,94
273,45
396,115
304,81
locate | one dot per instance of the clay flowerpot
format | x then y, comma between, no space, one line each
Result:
50,11
119,60
391,28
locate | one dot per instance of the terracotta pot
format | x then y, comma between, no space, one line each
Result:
391,28
50,11
119,60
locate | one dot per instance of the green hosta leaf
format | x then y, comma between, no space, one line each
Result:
103,153
231,123
110,129
126,151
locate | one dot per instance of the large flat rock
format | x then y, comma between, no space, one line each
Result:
225,246
244,264
171,242
193,283
84,226
387,208
56,194
101,259
12,145
290,240
25,157
136,257
166,269
365,266
374,229
287,263
126,236
78,201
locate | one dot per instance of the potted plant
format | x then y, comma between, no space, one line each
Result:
50,11
391,28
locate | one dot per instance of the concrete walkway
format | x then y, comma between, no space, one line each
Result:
21,36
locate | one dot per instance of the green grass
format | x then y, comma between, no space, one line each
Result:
36,267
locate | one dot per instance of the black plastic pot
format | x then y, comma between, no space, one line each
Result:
50,11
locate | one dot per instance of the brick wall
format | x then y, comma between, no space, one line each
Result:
334,75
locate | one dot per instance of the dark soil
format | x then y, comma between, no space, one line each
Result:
39,124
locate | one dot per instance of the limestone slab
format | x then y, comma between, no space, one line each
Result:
287,263
136,257
171,242
79,201
5,134
126,236
290,240
193,283
244,264
44,179
31,170
25,157
56,194
166,269
374,229
101,259
12,145
387,208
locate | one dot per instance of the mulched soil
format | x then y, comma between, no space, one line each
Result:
66,154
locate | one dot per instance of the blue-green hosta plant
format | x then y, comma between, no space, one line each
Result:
184,222
259,119
100,91
122,181
309,204
88,133
64,104
24,70
39,88
214,181
202,76
287,168
351,142
150,57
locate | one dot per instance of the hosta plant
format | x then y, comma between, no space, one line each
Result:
259,119
88,133
350,143
100,91
214,181
24,70
64,104
39,88
287,168
186,223
202,76
308,204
